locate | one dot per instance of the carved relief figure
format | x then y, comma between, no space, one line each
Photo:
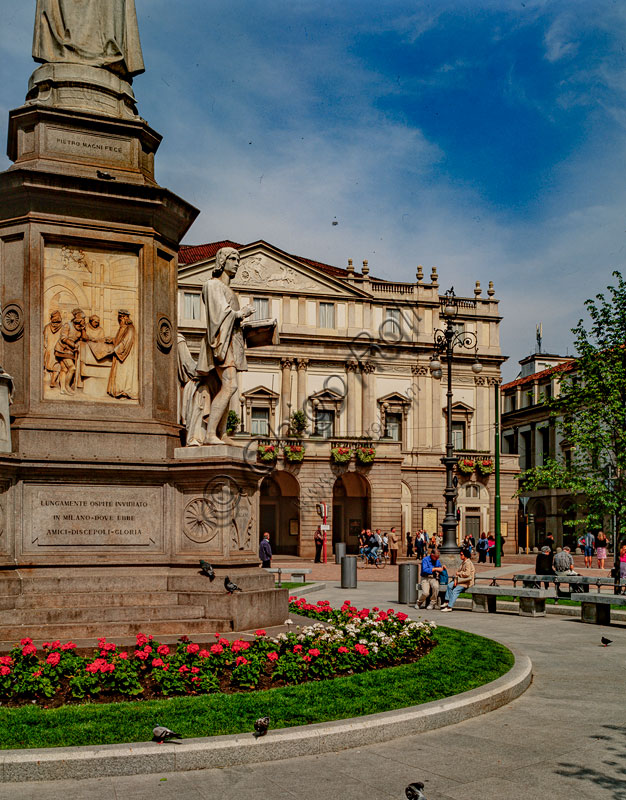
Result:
51,334
99,33
67,353
195,399
123,381
223,348
98,283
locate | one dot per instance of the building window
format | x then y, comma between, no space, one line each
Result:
458,435
261,308
393,427
392,326
260,421
508,441
191,306
325,423
327,315
472,490
512,402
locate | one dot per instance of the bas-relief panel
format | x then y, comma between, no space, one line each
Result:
260,271
91,305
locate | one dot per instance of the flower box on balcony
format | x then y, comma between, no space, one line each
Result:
484,466
365,455
466,466
267,453
341,455
294,452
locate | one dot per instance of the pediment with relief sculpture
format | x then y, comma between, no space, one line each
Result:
260,271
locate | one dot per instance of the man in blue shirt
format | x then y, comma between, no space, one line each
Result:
431,567
265,551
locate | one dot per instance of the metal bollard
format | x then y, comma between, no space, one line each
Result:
340,551
407,584
348,572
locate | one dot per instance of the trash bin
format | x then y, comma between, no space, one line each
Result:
407,584
348,572
340,551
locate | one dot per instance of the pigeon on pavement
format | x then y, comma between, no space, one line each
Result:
606,642
207,569
230,586
162,734
414,791
261,726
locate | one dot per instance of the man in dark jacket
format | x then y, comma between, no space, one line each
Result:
543,563
265,551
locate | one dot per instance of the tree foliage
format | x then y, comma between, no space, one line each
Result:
589,412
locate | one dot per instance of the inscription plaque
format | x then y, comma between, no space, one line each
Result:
92,516
91,147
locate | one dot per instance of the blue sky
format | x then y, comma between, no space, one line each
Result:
486,138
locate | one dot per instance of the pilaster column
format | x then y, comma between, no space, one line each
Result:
285,393
367,386
420,373
303,364
482,432
351,426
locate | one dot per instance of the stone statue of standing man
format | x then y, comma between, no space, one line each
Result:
98,33
222,352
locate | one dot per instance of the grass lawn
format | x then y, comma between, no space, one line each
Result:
461,661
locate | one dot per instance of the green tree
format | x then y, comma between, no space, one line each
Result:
589,412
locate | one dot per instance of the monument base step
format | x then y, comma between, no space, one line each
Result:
83,604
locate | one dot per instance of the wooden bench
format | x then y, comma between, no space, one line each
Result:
532,602
595,608
296,572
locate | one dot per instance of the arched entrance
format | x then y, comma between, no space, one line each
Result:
538,512
280,512
351,509
473,503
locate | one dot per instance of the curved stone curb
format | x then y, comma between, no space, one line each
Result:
61,763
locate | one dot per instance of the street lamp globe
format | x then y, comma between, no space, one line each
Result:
450,310
437,373
477,366
435,364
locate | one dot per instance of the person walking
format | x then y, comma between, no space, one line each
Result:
602,544
319,541
463,580
589,542
419,545
409,544
431,567
482,547
265,551
491,542
394,541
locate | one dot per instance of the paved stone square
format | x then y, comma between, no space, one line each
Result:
565,737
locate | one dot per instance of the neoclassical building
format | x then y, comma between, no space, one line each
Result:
354,356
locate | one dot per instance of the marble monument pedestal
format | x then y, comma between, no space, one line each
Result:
114,550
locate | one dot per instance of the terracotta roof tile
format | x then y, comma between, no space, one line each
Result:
189,254
566,366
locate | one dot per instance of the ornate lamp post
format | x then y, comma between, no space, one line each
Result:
445,342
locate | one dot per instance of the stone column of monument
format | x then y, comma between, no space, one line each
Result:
88,259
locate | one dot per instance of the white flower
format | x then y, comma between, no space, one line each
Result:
288,622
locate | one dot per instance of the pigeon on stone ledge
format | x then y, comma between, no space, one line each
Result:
605,642
162,734
414,791
230,586
261,726
207,569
